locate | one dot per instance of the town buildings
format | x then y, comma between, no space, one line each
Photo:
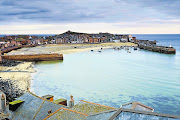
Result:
10,41
32,107
75,37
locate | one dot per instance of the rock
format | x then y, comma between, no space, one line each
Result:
8,63
10,89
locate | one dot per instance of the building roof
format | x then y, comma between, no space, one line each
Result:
67,114
91,108
28,109
47,96
43,112
59,100
102,116
137,106
3,116
129,114
34,107
83,111
37,108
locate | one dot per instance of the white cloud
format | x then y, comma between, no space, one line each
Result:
36,16
123,28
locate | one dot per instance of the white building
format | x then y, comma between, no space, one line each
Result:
130,38
116,41
124,38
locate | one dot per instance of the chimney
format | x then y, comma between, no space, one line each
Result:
48,97
61,101
15,104
3,103
71,101
28,90
49,111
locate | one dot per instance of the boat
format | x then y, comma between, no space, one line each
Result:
135,48
129,51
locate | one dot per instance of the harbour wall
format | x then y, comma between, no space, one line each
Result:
151,46
33,57
6,50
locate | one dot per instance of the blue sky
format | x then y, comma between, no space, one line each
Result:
115,16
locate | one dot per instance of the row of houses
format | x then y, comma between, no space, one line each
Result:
17,37
18,40
64,38
75,37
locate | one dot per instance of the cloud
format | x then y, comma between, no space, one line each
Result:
134,13
120,28
87,11
168,7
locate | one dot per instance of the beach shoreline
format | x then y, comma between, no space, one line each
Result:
21,74
16,79
67,48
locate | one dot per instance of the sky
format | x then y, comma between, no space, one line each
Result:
90,16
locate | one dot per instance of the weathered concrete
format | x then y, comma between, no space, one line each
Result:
6,50
160,49
151,46
34,57
142,112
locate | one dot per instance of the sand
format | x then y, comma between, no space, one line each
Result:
22,72
67,48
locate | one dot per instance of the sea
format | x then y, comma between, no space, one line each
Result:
115,77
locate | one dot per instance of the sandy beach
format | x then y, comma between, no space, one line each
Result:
21,73
67,48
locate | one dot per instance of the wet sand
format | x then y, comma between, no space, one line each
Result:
21,73
67,48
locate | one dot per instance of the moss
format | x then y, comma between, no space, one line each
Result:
67,115
89,108
16,102
60,100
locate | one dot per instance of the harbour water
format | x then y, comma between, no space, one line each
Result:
115,77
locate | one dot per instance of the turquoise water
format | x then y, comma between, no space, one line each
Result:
115,77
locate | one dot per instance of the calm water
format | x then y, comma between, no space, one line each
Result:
116,77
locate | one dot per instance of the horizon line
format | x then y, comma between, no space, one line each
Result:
91,33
